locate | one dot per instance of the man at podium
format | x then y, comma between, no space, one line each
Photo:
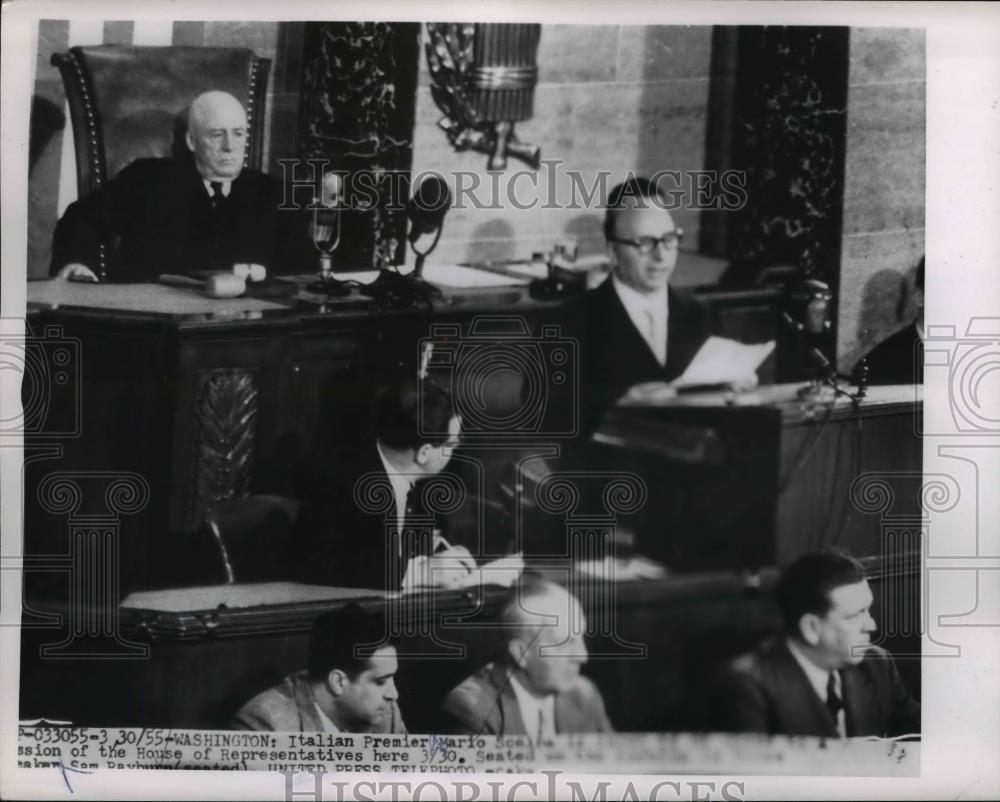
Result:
636,328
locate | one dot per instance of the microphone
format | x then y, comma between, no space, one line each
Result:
325,229
426,211
428,206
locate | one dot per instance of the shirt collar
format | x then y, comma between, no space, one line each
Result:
655,302
327,722
227,187
818,677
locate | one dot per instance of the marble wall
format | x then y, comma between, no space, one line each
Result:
609,98
883,228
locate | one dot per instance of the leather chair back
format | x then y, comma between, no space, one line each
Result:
252,537
131,102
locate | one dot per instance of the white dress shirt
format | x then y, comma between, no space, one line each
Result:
648,313
400,489
538,714
818,678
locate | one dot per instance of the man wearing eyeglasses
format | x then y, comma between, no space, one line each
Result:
367,524
636,329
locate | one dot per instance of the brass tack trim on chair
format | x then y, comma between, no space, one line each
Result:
98,169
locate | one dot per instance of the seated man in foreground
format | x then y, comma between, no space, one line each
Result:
364,526
202,211
823,677
341,691
535,688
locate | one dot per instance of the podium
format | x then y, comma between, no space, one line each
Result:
742,481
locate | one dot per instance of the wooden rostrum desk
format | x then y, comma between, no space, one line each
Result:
177,404
654,647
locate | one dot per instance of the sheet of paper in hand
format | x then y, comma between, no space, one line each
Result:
721,361
502,572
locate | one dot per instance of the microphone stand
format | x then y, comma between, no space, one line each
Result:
405,291
825,375
325,282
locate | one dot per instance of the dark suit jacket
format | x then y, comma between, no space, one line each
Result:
485,703
898,359
339,542
615,356
156,217
767,691
291,707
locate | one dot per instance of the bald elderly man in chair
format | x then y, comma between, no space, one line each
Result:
199,210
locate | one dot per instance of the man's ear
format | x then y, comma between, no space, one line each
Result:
189,139
809,628
336,681
517,650
421,455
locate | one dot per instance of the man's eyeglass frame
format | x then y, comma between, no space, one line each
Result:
646,245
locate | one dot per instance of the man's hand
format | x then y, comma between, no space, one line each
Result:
648,393
75,271
744,383
446,569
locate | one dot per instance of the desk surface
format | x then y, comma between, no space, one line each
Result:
187,308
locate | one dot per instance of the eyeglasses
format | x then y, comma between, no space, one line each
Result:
646,245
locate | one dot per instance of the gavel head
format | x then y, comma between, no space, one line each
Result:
225,285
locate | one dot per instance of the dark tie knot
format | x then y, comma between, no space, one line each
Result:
833,701
217,196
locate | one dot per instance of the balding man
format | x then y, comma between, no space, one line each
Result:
535,687
200,210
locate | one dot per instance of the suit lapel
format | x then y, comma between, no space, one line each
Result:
305,703
511,722
630,343
802,710
861,703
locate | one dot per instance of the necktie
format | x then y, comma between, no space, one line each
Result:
217,196
657,337
410,541
833,701
541,725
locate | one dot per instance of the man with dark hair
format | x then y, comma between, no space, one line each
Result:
636,329
199,210
349,685
366,527
899,359
535,687
823,677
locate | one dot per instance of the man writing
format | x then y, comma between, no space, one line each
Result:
535,688
346,688
366,526
823,677
197,211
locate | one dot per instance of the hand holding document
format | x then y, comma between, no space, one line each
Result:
450,569
723,361
718,361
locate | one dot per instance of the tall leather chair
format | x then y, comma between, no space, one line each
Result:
131,102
